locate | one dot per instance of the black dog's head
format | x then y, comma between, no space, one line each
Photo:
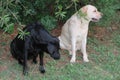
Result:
53,48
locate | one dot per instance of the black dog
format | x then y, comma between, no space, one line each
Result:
34,44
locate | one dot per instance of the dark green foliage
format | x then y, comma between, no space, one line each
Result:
5,24
49,22
28,11
109,10
22,34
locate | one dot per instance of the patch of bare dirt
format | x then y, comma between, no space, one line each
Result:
98,32
56,31
2,68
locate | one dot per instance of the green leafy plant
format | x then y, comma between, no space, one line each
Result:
5,24
26,11
49,22
75,4
60,14
22,34
81,14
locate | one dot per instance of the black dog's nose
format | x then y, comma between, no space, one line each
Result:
56,56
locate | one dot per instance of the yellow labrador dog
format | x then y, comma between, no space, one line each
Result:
74,32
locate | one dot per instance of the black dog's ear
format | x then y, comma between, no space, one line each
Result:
55,40
50,48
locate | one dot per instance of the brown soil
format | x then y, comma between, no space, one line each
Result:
98,32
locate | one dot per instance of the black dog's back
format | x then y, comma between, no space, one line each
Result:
17,45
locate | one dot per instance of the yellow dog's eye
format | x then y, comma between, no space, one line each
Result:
95,11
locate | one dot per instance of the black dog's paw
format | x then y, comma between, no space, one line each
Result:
42,70
25,72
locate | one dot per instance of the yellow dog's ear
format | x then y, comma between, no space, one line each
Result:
84,9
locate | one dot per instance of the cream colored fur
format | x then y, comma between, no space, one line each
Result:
74,32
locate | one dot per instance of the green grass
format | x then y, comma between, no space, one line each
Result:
104,64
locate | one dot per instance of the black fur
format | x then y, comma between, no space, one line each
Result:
34,44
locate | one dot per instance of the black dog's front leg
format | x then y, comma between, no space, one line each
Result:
26,49
35,58
42,70
34,61
25,67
